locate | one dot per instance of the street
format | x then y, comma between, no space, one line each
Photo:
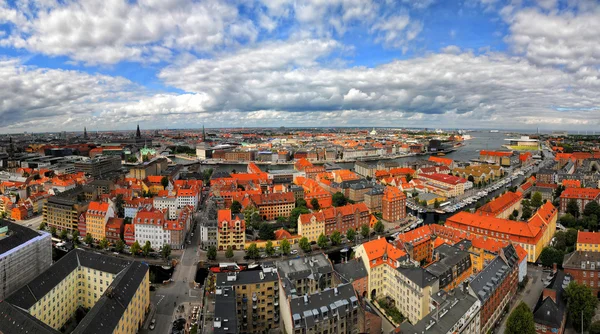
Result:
530,294
181,291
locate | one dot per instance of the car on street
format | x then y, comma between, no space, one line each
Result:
294,252
152,324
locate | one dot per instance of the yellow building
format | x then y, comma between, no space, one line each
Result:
588,241
63,211
116,291
310,227
96,218
392,275
231,231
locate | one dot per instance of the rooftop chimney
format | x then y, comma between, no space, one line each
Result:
549,293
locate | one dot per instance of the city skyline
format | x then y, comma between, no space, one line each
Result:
517,65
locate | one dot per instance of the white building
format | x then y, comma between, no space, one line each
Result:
167,202
148,226
187,197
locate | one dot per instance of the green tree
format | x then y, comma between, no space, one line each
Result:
595,328
42,226
120,246
135,248
567,220
206,174
322,242
166,251
592,208
338,199
88,239
147,248
296,212
53,230
236,207
515,213
164,182
351,234
63,234
265,232
119,205
75,236
252,251
551,255
285,247
304,244
573,208
471,178
336,238
252,216
571,237
559,191
315,204
536,199
229,252
512,217
269,249
211,254
580,300
379,227
520,321
526,213
103,243
365,230
436,204
300,202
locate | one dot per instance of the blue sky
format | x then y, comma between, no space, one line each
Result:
183,63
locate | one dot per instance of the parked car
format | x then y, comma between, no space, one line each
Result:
152,324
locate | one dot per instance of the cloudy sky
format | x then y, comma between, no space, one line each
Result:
179,63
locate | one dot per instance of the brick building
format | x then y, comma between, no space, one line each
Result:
581,195
393,204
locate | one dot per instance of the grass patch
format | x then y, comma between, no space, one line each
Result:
523,148
391,311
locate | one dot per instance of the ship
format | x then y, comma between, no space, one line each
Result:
493,131
227,268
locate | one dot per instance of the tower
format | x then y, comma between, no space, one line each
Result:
85,135
138,134
203,134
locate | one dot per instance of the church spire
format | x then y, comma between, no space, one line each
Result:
138,134
85,135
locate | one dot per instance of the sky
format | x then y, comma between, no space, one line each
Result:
113,64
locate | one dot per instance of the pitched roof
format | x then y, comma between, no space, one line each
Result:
375,250
588,237
501,203
580,193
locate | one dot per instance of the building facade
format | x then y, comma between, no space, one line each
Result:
231,231
393,205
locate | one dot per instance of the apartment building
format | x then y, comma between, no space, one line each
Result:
503,206
582,196
225,318
588,241
341,219
257,298
62,211
333,310
392,275
550,312
24,254
496,285
584,268
188,197
148,226
168,203
116,291
457,311
231,230
444,184
355,273
96,217
450,265
373,198
99,165
532,235
393,205
114,230
271,206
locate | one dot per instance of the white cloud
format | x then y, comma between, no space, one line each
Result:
566,39
106,32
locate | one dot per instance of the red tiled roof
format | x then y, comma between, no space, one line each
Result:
571,183
495,153
588,237
98,208
375,249
580,193
449,179
501,203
